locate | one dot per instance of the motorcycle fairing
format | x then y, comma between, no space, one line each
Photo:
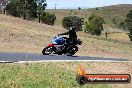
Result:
58,40
51,45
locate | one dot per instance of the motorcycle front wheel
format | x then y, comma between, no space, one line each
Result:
47,50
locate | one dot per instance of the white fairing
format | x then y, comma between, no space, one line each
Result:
59,48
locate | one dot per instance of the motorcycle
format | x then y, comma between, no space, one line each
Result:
59,46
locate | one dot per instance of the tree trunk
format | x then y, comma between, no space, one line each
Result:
39,18
24,17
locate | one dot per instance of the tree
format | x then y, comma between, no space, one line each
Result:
22,8
28,9
97,8
94,25
71,21
128,21
11,8
79,8
3,4
40,8
31,9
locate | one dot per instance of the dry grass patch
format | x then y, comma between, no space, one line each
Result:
104,47
17,35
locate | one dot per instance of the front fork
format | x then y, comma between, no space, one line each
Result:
53,47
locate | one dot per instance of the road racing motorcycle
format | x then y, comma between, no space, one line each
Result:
59,46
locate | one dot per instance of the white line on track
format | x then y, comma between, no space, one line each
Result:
64,61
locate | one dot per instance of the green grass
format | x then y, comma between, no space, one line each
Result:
48,75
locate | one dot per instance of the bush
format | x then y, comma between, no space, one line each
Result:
48,18
129,23
94,25
130,36
122,25
72,21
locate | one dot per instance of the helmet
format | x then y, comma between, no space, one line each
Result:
72,28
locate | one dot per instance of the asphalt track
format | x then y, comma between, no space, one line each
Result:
19,57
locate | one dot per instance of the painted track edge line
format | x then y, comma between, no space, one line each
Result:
62,61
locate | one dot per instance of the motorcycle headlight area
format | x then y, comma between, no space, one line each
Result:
54,42
58,40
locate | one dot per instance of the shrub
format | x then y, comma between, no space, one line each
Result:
97,8
48,18
129,24
130,36
94,25
122,25
114,21
79,8
72,21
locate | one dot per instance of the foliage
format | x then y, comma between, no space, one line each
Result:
71,21
40,8
48,18
27,9
130,36
129,23
79,8
94,25
11,8
97,8
114,21
122,25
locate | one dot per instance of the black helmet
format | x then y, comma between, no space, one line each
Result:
72,28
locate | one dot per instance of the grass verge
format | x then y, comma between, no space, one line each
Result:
56,74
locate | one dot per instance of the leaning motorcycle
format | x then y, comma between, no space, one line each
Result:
59,46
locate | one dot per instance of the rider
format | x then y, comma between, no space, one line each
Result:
72,37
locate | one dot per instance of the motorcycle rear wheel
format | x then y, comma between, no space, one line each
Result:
74,50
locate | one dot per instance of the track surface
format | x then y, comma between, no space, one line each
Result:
16,57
